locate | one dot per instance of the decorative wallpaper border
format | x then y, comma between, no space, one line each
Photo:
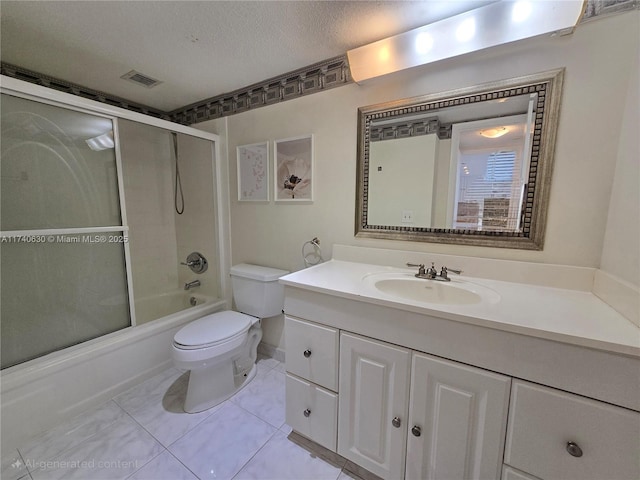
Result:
601,8
318,77
30,76
404,129
330,73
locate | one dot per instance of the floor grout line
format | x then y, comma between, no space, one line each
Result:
256,453
63,451
147,463
123,413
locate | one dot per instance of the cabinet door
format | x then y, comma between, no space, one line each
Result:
458,417
372,413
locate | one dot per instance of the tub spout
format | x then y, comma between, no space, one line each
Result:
188,285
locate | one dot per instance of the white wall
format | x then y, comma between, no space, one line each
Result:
159,238
599,59
404,182
196,226
621,252
148,188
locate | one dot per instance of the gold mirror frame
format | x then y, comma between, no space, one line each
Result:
548,86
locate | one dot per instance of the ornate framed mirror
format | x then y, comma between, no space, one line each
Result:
469,166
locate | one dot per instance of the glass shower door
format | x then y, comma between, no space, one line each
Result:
62,238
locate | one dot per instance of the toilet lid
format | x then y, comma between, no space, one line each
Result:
215,328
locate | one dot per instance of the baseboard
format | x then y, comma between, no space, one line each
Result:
331,457
271,351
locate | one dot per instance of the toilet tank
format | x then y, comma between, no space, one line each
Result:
256,290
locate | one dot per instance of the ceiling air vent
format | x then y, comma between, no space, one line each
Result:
141,79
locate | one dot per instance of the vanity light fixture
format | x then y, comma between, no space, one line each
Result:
494,132
494,24
101,142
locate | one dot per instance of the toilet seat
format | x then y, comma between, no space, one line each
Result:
212,330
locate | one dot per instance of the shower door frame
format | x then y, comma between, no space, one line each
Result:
28,91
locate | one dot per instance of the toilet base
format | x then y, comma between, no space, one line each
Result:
212,385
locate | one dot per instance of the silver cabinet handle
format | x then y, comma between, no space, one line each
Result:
307,412
307,353
573,449
396,422
416,430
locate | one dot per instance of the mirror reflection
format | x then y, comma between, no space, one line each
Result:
460,166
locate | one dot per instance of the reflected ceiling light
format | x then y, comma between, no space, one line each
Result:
494,24
494,132
101,142
384,54
521,11
424,42
466,30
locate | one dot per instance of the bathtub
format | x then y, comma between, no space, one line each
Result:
166,304
44,392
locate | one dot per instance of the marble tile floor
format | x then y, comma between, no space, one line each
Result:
143,434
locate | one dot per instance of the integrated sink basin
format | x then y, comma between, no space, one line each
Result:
408,287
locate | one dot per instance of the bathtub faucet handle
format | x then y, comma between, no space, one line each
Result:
196,262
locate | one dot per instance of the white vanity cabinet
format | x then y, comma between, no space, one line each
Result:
312,352
405,414
557,435
458,417
311,380
420,396
374,397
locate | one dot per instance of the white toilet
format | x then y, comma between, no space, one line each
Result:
221,349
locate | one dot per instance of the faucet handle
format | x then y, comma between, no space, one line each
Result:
420,266
447,269
444,273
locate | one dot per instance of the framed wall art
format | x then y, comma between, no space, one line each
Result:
253,172
293,169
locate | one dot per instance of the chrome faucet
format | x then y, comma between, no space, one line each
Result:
188,285
432,274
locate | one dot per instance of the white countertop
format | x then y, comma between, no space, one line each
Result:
568,316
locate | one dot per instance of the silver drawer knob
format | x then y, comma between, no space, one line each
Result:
416,430
307,353
396,422
307,412
573,449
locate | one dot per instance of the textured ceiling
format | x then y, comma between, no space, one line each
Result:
198,49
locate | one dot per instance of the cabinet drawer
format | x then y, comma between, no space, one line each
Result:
312,411
312,352
542,422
